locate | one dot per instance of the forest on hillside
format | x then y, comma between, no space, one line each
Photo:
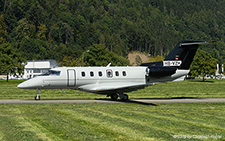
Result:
62,29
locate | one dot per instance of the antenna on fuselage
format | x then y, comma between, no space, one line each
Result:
108,65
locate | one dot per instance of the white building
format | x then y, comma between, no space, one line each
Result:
35,68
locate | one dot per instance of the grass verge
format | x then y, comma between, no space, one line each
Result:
188,88
123,121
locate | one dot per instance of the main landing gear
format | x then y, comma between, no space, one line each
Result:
37,97
123,97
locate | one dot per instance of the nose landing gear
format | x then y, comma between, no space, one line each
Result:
37,97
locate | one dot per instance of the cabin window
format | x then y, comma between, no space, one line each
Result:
83,73
100,73
124,73
117,73
109,73
91,73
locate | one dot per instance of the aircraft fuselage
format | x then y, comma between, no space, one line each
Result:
97,79
85,78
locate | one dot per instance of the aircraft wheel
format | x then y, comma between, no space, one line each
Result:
125,97
37,97
114,96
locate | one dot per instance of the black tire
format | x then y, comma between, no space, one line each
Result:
114,96
125,97
37,97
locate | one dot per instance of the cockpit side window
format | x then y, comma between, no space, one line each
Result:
55,73
51,72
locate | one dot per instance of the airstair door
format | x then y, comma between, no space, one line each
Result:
71,78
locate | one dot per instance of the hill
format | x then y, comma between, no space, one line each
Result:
136,58
55,29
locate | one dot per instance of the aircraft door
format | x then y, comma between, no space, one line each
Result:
71,78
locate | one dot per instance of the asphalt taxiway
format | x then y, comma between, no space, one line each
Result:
141,101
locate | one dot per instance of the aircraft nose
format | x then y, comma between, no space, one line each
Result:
30,84
23,85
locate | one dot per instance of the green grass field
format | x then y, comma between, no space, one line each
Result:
115,121
100,121
190,88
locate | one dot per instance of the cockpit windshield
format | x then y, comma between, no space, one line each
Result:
51,72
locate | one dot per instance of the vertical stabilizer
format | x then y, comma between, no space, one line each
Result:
180,57
185,52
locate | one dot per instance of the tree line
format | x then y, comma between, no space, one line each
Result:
63,29
57,29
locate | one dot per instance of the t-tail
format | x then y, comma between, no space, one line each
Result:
180,58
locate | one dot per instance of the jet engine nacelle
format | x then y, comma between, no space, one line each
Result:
155,71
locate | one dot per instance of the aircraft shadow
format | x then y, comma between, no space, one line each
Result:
128,101
168,98
142,103
206,81
136,101
99,99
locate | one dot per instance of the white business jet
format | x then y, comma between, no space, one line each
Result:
115,81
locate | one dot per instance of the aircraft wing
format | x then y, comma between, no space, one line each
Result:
109,88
